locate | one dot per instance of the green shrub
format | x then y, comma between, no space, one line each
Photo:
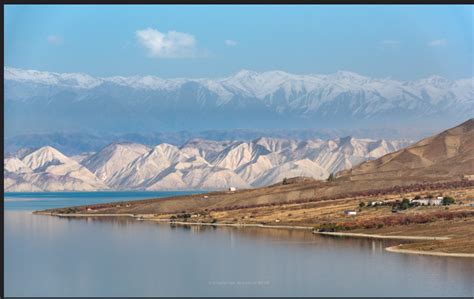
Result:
405,204
448,200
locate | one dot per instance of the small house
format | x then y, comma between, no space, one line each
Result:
350,213
428,201
232,189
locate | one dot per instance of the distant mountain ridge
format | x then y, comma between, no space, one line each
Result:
76,143
47,101
198,164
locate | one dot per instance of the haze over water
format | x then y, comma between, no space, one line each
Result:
51,256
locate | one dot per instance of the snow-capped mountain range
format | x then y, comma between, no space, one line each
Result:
198,164
46,101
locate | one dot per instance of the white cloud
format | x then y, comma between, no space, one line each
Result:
230,43
167,45
390,43
438,43
55,40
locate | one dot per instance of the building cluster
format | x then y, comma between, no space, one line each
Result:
438,201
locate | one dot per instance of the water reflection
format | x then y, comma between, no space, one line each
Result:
123,257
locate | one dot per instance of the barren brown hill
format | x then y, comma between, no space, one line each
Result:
445,156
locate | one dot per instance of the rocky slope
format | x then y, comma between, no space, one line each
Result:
46,169
449,154
198,164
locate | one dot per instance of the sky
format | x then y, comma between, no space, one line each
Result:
400,42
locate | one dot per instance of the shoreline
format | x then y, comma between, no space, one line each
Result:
375,236
232,224
396,249
393,249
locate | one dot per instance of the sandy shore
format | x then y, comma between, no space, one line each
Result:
373,236
435,253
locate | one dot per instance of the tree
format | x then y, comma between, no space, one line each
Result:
361,204
285,181
447,201
405,204
331,177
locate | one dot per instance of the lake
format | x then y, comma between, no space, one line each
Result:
52,256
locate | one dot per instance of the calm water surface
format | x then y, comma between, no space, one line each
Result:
51,256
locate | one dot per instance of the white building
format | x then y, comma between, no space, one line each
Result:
429,201
232,189
347,212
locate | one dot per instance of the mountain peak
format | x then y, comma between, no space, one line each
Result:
436,80
245,73
77,80
45,156
349,75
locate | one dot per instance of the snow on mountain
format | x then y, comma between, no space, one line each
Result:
47,100
207,149
44,157
50,170
276,144
15,165
253,169
17,184
290,169
199,164
239,154
113,158
79,158
342,153
147,166
214,178
168,168
75,80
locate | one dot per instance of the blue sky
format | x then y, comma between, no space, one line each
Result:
402,42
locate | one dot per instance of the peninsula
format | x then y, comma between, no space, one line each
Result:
422,194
